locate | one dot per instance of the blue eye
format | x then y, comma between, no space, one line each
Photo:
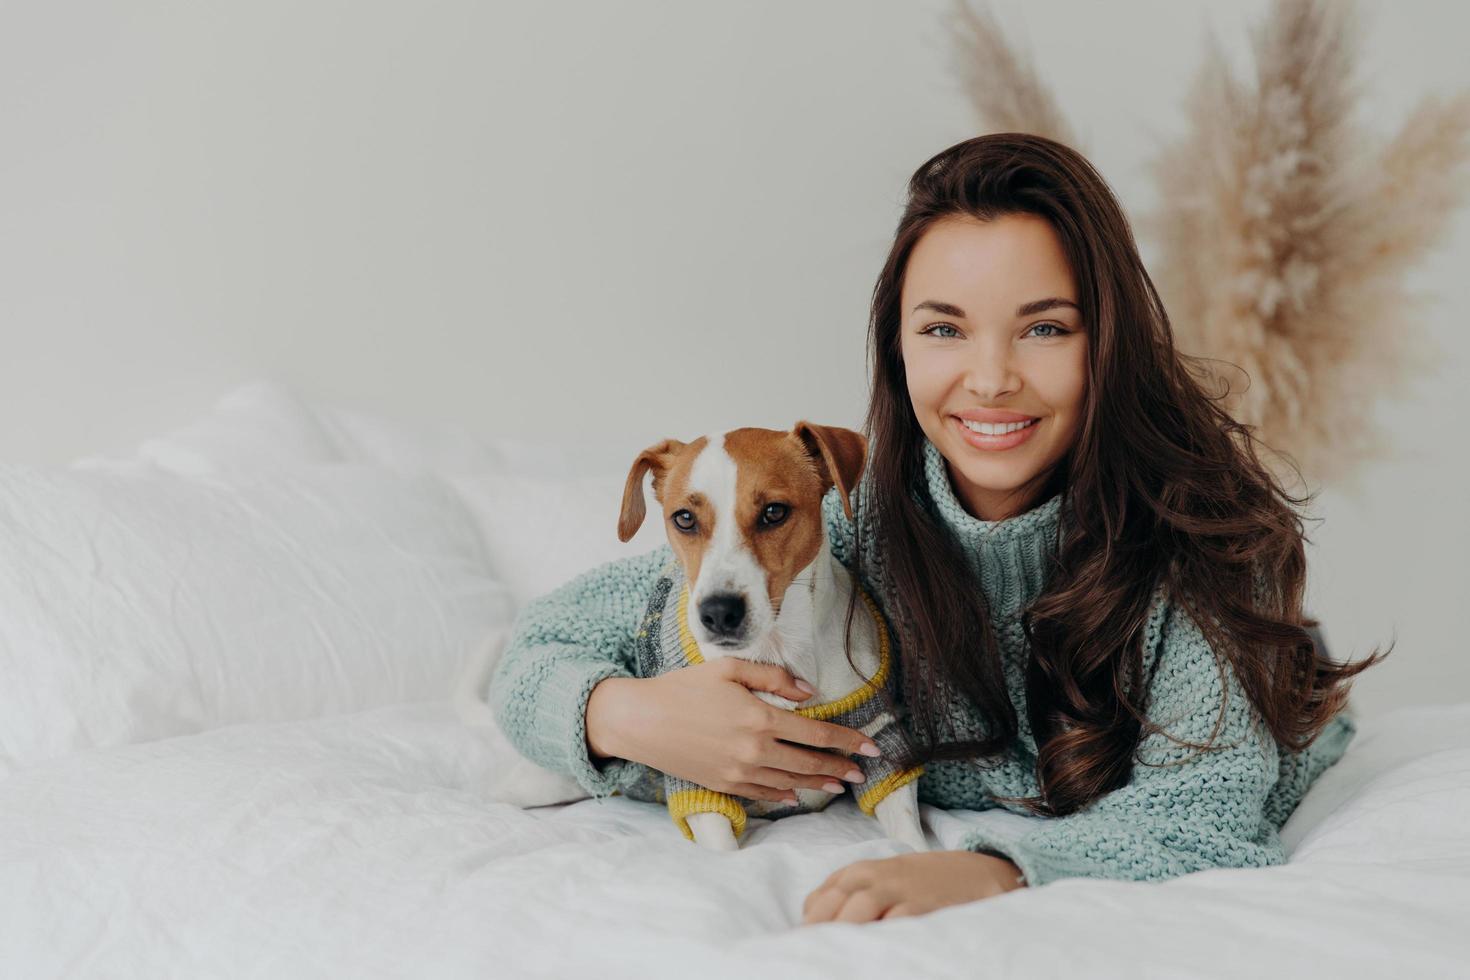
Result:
1060,331
930,330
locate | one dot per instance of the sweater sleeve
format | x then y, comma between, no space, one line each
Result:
564,643
1182,810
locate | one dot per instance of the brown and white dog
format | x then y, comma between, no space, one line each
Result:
743,513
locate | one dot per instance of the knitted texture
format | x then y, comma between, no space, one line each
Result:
666,643
1182,810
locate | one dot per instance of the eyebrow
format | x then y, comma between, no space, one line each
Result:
1035,306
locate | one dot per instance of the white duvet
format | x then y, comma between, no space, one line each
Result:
364,845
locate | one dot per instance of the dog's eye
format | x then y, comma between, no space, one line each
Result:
774,514
683,520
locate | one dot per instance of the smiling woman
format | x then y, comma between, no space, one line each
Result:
1096,585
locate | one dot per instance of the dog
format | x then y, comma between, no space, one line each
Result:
743,514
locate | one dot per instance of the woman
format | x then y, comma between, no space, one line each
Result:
1099,614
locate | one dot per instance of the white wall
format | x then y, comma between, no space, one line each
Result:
602,217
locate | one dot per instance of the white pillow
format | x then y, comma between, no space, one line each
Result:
450,450
136,604
543,531
267,424
259,426
1399,793
413,446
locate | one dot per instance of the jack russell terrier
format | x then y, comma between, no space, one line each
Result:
752,564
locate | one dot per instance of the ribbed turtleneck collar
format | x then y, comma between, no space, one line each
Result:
1011,556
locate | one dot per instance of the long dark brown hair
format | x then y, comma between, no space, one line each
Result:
1161,487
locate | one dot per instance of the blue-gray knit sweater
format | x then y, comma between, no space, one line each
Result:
1221,808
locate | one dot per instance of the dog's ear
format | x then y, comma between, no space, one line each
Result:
839,454
657,458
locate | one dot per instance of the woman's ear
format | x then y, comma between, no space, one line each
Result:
657,458
839,453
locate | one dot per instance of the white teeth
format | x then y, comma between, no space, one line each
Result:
994,428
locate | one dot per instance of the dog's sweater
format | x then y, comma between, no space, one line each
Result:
665,642
1182,809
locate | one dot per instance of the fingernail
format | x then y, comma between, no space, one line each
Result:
869,749
790,799
832,786
806,687
855,777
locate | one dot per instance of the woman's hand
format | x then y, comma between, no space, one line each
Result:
908,884
703,724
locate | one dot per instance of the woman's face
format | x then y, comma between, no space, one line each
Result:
990,322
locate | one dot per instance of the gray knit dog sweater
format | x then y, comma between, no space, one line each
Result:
665,643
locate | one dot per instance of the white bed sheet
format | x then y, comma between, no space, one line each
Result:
362,845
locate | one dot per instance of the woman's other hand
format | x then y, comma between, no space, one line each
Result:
908,884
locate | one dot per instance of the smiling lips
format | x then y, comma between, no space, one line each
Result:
993,415
998,435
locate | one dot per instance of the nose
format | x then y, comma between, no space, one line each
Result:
991,375
722,613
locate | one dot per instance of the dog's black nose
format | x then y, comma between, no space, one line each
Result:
723,613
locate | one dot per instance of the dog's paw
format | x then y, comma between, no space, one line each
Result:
898,815
713,830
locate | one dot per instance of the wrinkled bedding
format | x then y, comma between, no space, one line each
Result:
364,845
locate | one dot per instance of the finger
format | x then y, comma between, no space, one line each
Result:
822,734
806,904
900,910
863,905
754,791
790,780
765,677
804,762
822,905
